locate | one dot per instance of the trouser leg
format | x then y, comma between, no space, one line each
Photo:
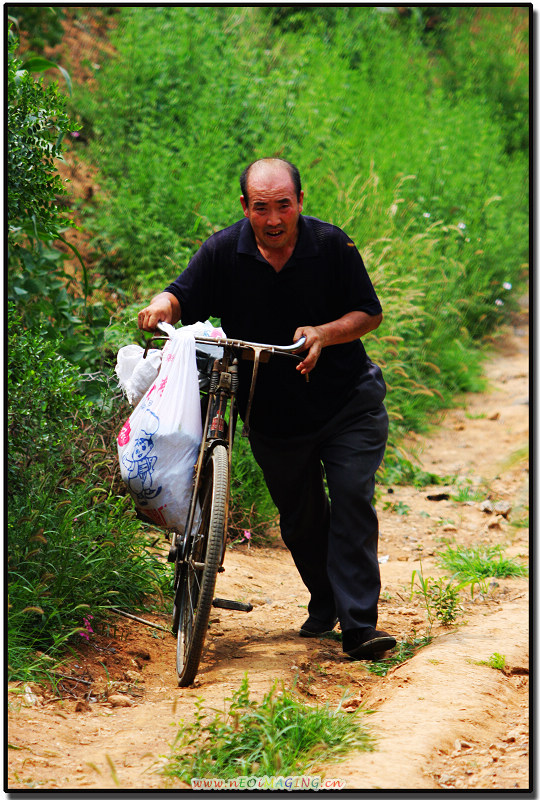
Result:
351,456
294,478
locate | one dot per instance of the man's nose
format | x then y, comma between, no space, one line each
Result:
274,218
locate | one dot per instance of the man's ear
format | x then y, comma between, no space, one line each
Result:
301,201
244,205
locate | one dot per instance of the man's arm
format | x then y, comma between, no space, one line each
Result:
164,307
351,326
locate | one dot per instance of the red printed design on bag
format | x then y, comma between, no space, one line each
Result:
162,386
156,514
125,433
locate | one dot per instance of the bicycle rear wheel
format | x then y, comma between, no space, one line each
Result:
198,573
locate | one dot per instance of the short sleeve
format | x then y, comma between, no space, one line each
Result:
353,284
196,287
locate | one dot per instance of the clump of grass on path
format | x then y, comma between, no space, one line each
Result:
279,736
478,563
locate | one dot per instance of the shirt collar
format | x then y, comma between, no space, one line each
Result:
306,244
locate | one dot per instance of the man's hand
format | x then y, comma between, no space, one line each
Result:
315,341
163,308
351,326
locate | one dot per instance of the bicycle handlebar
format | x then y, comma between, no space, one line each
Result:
240,343
256,347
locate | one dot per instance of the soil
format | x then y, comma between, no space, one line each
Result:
444,719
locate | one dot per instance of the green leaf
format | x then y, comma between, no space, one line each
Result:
85,273
40,64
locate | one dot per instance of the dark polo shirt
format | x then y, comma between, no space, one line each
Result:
324,279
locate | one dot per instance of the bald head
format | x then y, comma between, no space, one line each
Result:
266,168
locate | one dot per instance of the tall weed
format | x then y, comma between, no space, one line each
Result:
72,554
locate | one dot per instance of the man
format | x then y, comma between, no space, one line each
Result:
275,276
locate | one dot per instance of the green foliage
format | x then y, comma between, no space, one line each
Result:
251,506
488,56
42,24
401,471
466,492
291,90
45,411
279,736
479,563
398,507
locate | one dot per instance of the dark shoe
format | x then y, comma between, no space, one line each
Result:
366,643
313,627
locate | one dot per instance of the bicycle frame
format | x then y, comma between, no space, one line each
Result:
222,397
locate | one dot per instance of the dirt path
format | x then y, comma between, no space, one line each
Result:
443,720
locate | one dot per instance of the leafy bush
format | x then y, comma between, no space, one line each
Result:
44,409
37,122
74,546
38,284
42,24
485,52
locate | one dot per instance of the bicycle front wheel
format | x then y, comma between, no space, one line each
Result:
197,579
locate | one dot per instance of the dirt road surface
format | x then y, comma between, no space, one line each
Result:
443,720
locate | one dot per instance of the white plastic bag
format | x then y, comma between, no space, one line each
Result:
135,373
159,444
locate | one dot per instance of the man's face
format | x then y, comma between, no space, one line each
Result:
273,208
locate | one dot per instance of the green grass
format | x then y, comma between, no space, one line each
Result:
397,507
466,492
522,522
403,652
279,736
478,563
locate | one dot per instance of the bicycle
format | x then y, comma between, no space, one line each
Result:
199,552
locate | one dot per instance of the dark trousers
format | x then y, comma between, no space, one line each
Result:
333,541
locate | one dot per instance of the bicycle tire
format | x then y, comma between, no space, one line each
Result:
196,584
177,574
